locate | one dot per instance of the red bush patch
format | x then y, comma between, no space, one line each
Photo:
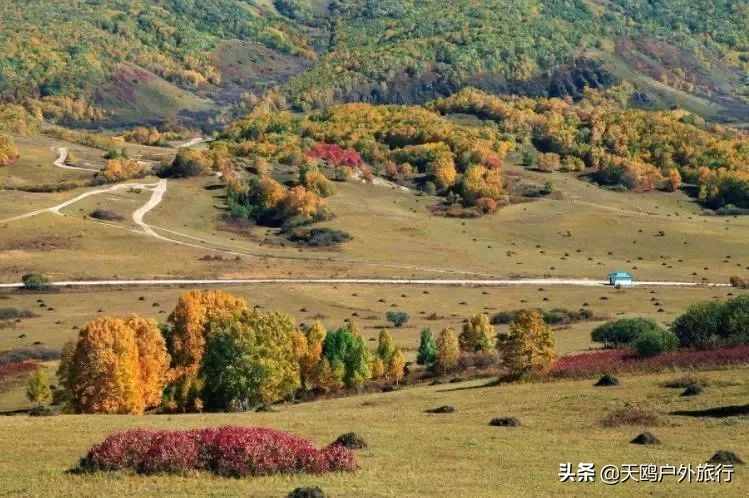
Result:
10,370
624,360
335,155
226,451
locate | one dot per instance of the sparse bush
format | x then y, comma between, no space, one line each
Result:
646,438
630,415
397,318
14,314
686,381
319,237
442,409
350,440
505,422
106,215
739,282
35,282
607,380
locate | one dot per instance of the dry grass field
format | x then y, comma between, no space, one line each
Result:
416,454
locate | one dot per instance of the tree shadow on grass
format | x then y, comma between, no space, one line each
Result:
491,383
717,412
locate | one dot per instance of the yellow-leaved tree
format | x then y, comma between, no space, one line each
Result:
448,351
8,151
118,366
528,347
477,334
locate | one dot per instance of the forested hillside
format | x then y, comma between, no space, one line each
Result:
132,53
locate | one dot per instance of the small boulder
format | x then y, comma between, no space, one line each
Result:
646,438
607,380
726,458
505,422
265,409
350,440
311,492
442,409
692,390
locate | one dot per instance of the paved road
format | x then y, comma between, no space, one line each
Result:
361,281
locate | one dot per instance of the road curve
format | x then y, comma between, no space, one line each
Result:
62,156
361,281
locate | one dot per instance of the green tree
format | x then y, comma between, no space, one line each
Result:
344,348
37,389
427,348
385,346
249,360
655,342
700,326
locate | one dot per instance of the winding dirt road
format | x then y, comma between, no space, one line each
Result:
62,156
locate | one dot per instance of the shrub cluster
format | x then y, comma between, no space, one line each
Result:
712,324
226,451
624,332
319,237
556,316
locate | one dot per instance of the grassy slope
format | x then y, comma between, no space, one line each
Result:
386,223
415,454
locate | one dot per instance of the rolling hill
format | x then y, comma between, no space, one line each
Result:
201,56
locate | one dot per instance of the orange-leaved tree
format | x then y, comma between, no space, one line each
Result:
118,366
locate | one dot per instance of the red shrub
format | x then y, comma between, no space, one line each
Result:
123,450
335,155
227,451
14,369
624,360
172,452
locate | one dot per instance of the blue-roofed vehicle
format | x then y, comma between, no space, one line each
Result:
621,279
